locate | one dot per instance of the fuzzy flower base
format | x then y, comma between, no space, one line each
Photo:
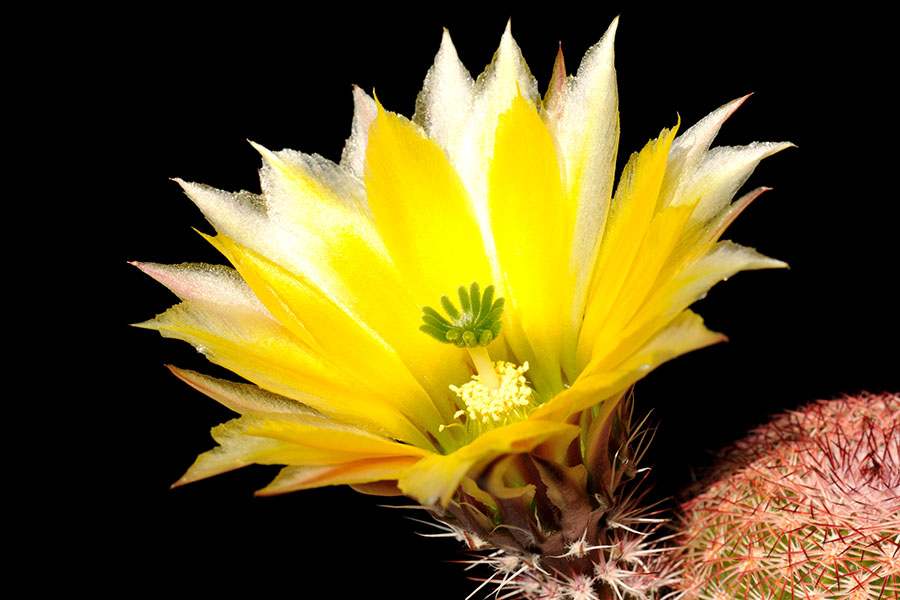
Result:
807,506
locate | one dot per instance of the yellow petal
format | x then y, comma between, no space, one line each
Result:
582,113
235,450
265,441
262,351
532,234
323,219
659,241
333,331
315,441
242,398
369,470
314,221
436,477
422,210
602,380
229,456
719,263
630,217
466,130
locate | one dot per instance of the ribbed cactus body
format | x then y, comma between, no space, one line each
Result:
807,506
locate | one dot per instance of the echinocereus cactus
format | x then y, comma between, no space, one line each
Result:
806,507
504,412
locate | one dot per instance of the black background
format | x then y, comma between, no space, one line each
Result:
177,94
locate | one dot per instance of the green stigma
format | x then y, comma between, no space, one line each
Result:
476,324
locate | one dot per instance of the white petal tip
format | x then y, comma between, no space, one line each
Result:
506,40
188,187
267,155
613,27
159,272
151,269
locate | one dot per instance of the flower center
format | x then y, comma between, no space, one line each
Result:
492,406
498,392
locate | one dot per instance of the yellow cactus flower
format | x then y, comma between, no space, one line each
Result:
490,192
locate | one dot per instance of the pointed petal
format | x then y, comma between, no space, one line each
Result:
305,195
631,215
689,147
505,78
445,101
585,123
708,179
262,351
720,174
531,231
714,176
717,226
240,215
353,157
252,439
557,94
684,334
312,216
235,451
495,89
722,261
209,283
242,398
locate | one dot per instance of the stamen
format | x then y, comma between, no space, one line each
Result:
495,406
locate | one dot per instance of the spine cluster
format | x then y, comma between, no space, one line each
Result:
805,507
631,564
572,530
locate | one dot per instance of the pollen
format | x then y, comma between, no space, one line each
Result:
495,406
